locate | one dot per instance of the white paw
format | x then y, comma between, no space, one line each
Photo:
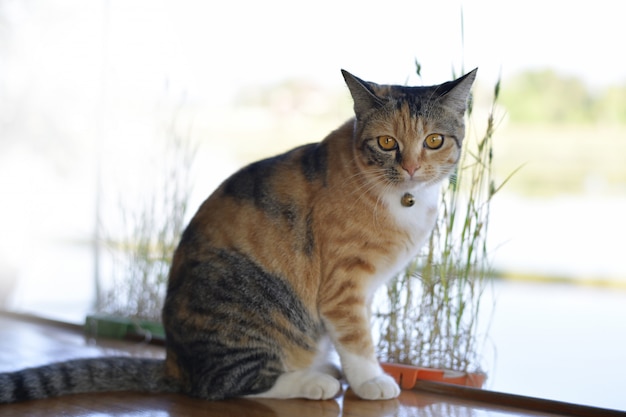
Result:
382,387
320,387
302,384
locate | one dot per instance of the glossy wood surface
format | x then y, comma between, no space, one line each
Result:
29,343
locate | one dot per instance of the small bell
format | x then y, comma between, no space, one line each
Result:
407,200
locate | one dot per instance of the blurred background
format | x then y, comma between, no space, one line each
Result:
93,93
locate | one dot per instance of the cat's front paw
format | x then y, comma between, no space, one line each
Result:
383,387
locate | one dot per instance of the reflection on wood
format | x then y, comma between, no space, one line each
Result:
29,343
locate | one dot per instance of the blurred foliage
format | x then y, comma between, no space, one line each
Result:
546,97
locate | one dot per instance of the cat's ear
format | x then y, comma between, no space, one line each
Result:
456,93
362,94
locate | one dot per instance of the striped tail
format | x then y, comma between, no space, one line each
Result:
85,375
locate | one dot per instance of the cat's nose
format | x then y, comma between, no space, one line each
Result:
410,169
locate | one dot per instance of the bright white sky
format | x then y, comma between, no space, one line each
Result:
246,41
251,40
210,48
241,42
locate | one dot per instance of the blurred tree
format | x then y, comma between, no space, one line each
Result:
537,97
611,105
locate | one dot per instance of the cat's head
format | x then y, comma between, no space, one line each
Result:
406,137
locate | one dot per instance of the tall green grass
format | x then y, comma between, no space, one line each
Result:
141,254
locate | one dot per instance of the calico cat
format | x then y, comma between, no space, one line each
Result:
282,261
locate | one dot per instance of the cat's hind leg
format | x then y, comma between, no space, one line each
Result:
306,383
320,381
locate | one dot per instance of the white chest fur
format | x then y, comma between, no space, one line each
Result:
418,219
415,222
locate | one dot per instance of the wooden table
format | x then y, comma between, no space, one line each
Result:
30,342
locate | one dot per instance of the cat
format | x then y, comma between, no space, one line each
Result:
280,264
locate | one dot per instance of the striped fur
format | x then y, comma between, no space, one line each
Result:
285,256
84,375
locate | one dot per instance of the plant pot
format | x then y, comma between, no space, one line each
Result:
116,327
407,375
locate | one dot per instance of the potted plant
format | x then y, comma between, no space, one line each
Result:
129,298
428,314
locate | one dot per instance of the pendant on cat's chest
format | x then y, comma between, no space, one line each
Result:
407,200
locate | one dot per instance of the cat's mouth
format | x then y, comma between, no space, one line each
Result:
415,181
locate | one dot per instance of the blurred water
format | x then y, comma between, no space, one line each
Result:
573,237
558,341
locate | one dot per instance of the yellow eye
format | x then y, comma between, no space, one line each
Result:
434,141
387,143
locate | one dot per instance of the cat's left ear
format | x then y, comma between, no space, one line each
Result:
362,94
456,93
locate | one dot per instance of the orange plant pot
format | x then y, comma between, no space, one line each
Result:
407,375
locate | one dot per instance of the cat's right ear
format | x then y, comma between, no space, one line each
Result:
362,95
